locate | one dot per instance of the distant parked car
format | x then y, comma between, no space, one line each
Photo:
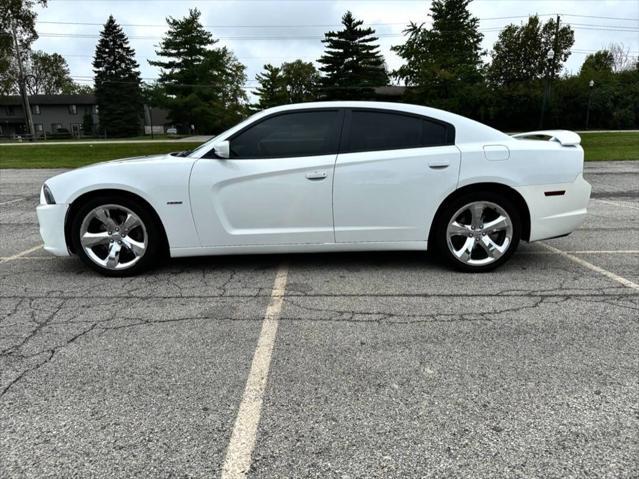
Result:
333,176
171,131
61,134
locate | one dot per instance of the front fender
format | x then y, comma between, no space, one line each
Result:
163,183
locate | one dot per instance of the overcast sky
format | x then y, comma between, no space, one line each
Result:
297,26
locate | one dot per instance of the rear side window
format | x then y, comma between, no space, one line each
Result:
289,135
373,131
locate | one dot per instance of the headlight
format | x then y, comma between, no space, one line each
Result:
46,197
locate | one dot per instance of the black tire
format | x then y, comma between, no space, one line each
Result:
154,235
439,232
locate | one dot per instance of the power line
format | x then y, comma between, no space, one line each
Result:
611,28
333,25
294,57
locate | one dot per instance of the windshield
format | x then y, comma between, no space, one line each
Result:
208,144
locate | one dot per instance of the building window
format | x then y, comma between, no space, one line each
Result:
36,109
55,127
38,127
73,109
9,110
96,109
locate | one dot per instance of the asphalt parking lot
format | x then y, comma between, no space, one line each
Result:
382,365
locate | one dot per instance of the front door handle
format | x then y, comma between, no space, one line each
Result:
316,175
438,164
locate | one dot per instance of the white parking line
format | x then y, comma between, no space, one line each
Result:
608,274
238,454
12,201
22,253
617,203
586,251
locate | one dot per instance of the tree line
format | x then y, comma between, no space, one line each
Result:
202,85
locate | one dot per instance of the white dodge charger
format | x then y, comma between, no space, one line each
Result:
331,176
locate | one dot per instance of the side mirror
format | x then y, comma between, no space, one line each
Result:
222,149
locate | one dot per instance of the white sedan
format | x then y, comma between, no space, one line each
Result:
317,177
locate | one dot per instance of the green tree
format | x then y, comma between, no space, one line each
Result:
117,82
204,86
521,51
443,63
272,89
352,63
597,64
48,74
87,124
302,81
292,82
78,89
15,16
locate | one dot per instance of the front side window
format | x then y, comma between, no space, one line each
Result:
288,135
375,131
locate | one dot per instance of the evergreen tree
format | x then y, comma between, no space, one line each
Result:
87,124
204,86
352,64
443,63
272,89
117,82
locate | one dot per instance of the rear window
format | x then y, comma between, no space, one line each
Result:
374,131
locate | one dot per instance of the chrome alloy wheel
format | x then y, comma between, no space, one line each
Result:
479,233
113,237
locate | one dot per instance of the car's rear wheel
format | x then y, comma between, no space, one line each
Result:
478,232
116,236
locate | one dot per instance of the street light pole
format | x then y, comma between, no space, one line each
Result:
550,57
21,84
591,84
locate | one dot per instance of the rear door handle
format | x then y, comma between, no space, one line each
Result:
316,175
438,164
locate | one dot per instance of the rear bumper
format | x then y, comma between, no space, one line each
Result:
552,216
51,219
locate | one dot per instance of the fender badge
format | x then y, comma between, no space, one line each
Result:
173,202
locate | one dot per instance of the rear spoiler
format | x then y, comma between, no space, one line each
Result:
563,137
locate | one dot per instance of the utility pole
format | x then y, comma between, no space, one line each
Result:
552,54
21,84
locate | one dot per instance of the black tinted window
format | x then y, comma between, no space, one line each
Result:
290,134
372,130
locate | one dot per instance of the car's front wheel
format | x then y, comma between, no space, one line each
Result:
116,236
478,232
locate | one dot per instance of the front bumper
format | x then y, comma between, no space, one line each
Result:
552,216
51,219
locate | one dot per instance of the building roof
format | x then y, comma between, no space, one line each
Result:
15,100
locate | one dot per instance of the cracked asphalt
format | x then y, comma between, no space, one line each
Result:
384,364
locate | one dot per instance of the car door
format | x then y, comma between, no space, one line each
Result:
276,186
392,172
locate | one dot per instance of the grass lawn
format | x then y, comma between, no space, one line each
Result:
610,146
72,156
598,147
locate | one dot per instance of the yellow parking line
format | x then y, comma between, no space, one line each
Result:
22,253
598,269
238,454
